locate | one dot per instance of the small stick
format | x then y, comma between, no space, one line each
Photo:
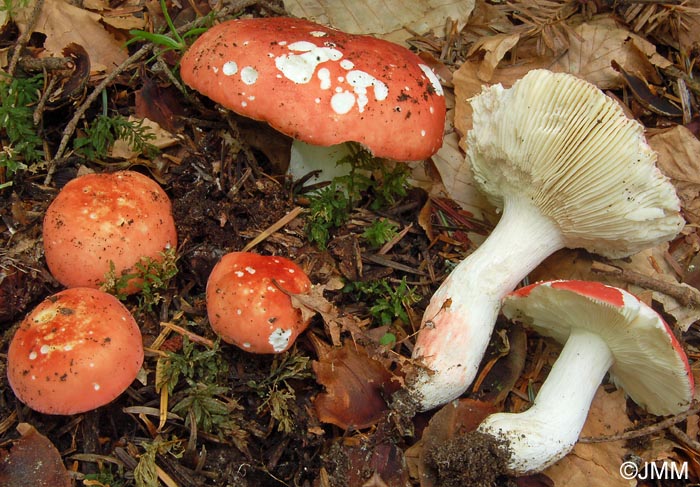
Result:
685,295
273,228
647,430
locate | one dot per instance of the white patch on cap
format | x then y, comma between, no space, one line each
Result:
360,81
44,349
239,273
96,386
279,339
346,64
342,103
325,76
318,33
250,270
433,79
300,68
246,345
249,75
229,68
32,355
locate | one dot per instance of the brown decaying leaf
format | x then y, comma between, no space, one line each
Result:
32,460
63,23
356,385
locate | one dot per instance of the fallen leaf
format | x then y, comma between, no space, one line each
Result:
63,24
494,48
32,460
356,386
594,45
392,19
678,151
596,464
121,149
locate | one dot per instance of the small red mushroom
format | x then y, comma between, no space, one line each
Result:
320,85
248,304
77,350
96,219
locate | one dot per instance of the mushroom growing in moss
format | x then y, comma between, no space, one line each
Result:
98,220
568,169
248,301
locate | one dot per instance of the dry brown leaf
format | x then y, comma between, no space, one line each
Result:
596,464
63,23
355,386
163,139
494,48
392,19
32,460
595,44
678,159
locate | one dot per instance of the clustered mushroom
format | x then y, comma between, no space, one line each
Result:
77,350
568,169
249,303
603,329
99,220
320,85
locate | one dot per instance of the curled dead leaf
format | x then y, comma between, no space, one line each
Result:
356,385
32,460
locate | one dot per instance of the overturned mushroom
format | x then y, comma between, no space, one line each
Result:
603,329
320,85
569,170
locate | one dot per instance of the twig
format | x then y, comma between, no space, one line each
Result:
273,228
685,295
80,112
680,435
647,430
24,38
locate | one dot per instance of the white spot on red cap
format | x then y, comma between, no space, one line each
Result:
250,270
32,355
249,75
96,386
342,103
318,33
239,273
279,339
347,64
325,76
229,68
300,68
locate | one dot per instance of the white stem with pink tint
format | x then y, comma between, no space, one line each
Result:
459,320
546,432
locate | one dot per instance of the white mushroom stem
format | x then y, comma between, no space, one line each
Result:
459,320
548,430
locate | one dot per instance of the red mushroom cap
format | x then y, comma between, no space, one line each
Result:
246,308
97,218
77,350
320,85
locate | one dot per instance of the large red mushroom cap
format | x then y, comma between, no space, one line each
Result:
77,350
320,85
96,219
246,303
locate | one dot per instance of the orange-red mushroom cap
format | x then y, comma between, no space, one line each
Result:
120,217
77,350
248,304
320,85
